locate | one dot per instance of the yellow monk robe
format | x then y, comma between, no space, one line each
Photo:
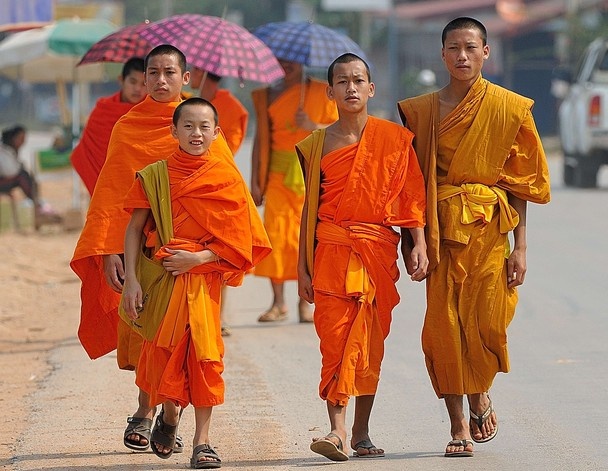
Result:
484,149
211,208
233,117
360,191
89,155
280,174
138,139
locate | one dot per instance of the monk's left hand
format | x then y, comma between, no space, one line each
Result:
516,268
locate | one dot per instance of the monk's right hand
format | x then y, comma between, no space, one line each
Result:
114,271
132,302
305,290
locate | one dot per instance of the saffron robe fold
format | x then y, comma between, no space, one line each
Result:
233,117
485,149
355,194
280,176
140,137
212,209
89,154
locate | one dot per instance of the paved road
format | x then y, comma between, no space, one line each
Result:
552,407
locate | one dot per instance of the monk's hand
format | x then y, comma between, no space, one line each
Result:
516,268
256,194
417,263
304,122
113,271
183,261
305,290
132,299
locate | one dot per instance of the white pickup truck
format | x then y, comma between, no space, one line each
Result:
583,118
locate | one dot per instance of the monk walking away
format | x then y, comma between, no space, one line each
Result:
483,160
217,236
286,113
362,179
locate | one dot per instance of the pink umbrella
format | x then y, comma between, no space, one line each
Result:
217,46
119,46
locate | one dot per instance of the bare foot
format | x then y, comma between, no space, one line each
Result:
366,449
483,424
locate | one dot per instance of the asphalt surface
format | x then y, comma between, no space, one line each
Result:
552,407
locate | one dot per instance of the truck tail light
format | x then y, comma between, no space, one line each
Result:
595,108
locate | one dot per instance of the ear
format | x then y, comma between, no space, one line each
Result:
372,89
486,51
174,131
216,132
186,77
329,91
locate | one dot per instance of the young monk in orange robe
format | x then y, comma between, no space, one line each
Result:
89,155
362,178
286,114
217,232
140,137
483,160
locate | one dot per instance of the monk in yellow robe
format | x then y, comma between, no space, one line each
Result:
140,137
362,178
286,114
89,155
217,234
482,159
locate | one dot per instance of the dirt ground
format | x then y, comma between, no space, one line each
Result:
39,295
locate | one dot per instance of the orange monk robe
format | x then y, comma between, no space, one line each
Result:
233,117
486,148
355,194
279,172
138,139
89,155
211,208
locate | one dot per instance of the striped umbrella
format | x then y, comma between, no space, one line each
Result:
306,43
217,46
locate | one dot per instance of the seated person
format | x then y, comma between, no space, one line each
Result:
13,174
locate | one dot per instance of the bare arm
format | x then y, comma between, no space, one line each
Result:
256,193
516,263
132,294
413,249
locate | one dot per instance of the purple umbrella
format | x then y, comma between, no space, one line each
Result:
306,43
217,46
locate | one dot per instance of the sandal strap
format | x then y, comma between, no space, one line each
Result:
205,450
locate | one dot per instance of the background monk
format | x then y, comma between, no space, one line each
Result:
140,137
232,114
362,177
89,155
482,159
217,231
286,114
233,121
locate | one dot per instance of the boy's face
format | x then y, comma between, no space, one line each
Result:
196,129
464,54
164,78
132,87
351,87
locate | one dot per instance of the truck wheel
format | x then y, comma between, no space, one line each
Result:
584,173
569,171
